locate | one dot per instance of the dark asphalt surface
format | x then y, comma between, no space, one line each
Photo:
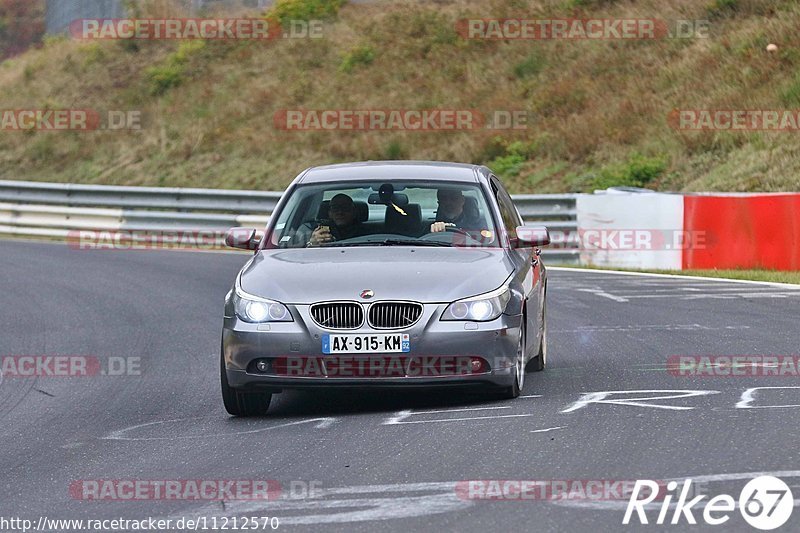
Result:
385,460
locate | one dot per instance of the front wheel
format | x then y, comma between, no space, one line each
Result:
538,363
239,403
509,393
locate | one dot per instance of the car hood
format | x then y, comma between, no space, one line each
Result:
422,274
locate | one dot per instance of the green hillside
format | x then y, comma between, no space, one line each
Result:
598,109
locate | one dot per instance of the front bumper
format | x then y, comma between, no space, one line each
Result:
495,343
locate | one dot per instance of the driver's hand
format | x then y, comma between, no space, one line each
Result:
438,226
321,235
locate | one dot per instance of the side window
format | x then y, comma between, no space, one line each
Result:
508,212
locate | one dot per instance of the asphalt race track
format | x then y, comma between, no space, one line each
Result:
387,460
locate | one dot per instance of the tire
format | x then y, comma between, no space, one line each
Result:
239,403
538,363
509,393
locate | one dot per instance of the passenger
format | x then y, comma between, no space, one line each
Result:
344,223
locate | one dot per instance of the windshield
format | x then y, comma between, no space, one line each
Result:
397,213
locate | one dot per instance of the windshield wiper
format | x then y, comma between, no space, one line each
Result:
387,242
350,244
412,242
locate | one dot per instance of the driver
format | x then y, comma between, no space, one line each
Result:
452,212
342,211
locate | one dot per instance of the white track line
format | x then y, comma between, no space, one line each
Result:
673,276
546,429
460,419
458,410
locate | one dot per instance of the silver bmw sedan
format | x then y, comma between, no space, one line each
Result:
384,274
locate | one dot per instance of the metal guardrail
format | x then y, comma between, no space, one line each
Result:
174,198
55,209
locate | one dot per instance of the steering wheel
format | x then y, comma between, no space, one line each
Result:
453,229
456,229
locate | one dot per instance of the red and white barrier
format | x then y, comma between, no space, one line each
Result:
630,230
752,231
671,231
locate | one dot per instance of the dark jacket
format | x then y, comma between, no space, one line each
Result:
468,220
340,233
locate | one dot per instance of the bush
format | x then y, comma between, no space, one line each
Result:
507,166
164,77
791,95
585,4
394,151
288,10
419,32
719,8
510,163
172,71
93,53
361,55
530,66
639,171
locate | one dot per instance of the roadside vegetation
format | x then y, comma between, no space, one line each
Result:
21,25
598,108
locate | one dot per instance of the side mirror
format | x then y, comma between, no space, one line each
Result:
532,236
242,238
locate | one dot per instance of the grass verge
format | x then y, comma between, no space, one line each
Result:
772,276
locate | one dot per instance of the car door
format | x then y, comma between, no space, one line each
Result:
529,273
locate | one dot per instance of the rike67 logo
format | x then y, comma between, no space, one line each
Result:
765,503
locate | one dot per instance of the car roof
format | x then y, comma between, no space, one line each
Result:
390,170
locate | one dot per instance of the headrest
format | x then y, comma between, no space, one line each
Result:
324,209
471,206
409,224
362,211
413,214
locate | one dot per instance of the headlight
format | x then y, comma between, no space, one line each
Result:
254,309
479,308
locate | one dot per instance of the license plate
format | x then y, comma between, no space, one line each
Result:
355,343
